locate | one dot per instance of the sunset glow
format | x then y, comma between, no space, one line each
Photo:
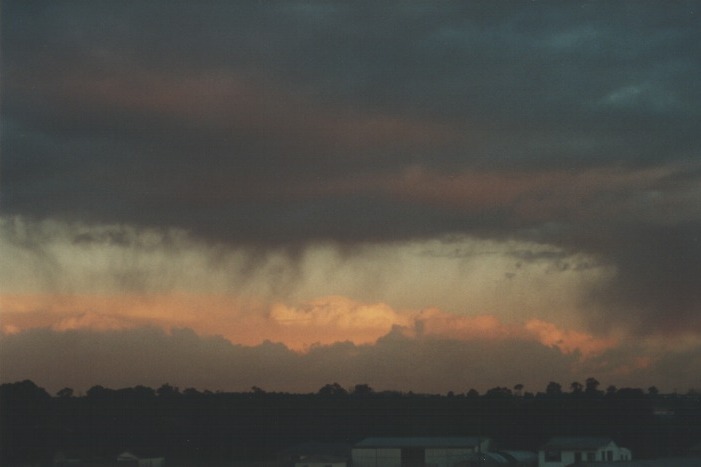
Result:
315,192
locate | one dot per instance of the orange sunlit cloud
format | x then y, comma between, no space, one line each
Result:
335,319
569,341
207,314
434,322
322,321
438,323
325,320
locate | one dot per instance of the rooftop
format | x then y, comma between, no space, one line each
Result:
577,442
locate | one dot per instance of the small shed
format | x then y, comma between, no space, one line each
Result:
566,450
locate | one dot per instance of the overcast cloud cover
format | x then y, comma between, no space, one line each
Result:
319,186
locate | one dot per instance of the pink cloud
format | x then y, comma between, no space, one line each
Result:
434,322
322,321
569,341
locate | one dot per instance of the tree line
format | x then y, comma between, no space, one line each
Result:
217,426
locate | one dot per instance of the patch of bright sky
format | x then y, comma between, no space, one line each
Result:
463,275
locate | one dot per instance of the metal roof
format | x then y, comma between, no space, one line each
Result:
520,456
421,441
577,442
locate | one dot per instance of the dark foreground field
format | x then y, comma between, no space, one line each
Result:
193,427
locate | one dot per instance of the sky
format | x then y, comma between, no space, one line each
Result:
419,196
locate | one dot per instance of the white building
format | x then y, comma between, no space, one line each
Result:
416,451
567,450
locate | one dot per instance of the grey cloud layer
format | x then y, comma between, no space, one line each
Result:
284,122
151,357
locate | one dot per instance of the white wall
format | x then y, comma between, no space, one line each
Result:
373,457
392,457
568,457
446,457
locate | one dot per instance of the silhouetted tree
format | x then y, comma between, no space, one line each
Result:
592,386
576,387
65,393
497,392
98,391
362,390
518,389
144,392
553,389
334,389
653,391
166,390
472,393
611,390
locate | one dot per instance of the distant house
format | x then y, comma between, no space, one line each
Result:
567,450
417,451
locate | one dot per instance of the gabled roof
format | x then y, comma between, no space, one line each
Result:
421,441
577,442
519,456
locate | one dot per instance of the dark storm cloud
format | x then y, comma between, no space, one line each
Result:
658,282
152,357
288,121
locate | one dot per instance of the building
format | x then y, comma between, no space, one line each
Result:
567,450
417,451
